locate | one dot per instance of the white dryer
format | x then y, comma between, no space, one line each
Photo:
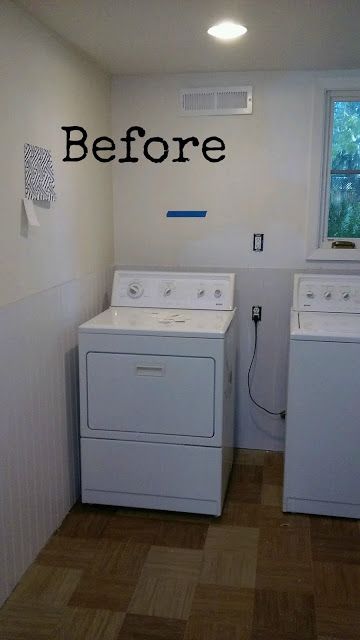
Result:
157,392
322,449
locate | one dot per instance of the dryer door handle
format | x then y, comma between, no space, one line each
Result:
157,370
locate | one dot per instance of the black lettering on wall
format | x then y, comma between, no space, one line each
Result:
72,143
155,149
182,143
96,148
206,148
128,140
163,156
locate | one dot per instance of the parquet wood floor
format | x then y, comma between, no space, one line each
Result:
253,574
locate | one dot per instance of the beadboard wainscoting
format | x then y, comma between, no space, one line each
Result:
39,454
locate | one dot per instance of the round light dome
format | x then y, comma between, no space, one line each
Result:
227,30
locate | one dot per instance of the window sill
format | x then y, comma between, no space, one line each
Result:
337,255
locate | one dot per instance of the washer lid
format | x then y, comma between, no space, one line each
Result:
165,322
317,325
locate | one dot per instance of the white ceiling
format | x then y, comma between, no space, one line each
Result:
167,36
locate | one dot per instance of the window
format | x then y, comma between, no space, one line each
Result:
340,202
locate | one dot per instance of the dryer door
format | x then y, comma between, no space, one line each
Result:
150,394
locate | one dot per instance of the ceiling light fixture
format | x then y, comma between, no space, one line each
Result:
227,30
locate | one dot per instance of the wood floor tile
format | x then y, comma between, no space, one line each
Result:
198,628
277,635
271,494
245,484
163,597
173,563
180,516
244,492
80,524
249,457
133,529
273,468
154,531
47,585
73,553
291,614
337,585
222,604
273,516
190,535
229,568
29,621
329,638
335,549
230,555
247,474
122,560
239,514
254,573
284,560
151,628
285,577
339,623
95,592
106,509
284,544
161,514
334,527
90,624
232,539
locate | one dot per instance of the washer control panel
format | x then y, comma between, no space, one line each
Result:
332,293
173,290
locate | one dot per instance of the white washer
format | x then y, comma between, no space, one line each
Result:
322,450
157,392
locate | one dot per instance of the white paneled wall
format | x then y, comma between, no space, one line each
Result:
39,469
272,289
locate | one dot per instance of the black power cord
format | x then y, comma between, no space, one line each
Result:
282,414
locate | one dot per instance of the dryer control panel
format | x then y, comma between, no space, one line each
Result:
173,290
331,293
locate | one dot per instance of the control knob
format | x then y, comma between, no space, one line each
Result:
135,290
309,294
200,293
167,292
217,293
346,295
327,295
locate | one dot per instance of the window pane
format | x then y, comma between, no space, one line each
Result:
344,212
346,135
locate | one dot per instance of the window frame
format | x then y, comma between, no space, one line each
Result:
326,90
332,97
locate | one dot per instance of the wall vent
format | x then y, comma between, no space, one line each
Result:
216,101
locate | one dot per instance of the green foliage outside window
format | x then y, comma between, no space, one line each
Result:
344,200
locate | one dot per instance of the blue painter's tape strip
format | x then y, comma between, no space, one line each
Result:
186,214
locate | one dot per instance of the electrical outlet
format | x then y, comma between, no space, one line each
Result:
256,313
258,242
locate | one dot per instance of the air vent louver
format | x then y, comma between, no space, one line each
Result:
216,101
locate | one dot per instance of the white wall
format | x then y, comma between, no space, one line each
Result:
46,85
262,186
39,458
51,279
